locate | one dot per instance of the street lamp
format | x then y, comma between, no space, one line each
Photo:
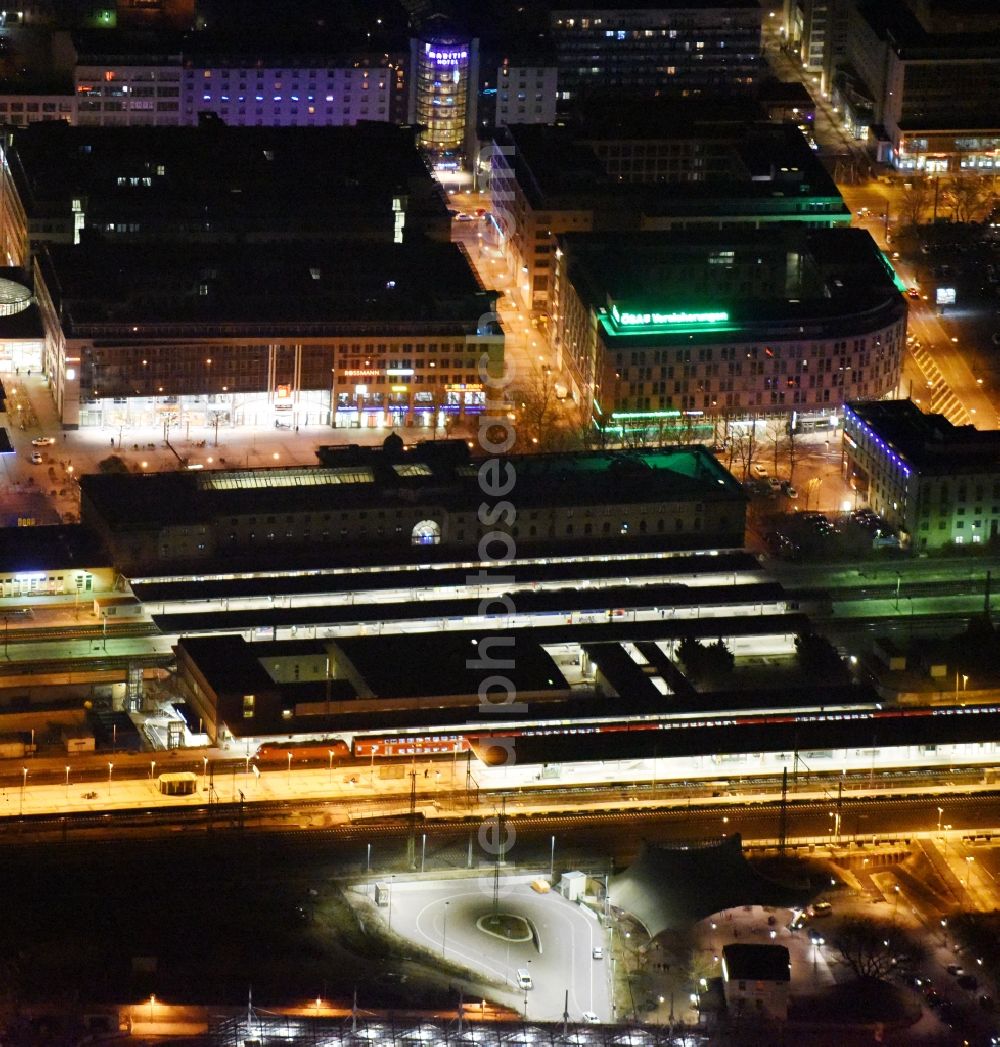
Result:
940,812
24,782
289,771
330,751
969,859
204,771
444,929
111,767
67,781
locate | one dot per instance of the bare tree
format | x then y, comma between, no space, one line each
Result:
874,949
775,439
915,201
539,425
743,447
967,196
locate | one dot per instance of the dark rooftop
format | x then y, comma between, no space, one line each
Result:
430,472
928,442
49,549
400,666
558,166
228,170
127,284
767,963
837,271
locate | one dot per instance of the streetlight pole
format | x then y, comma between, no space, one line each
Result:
67,781
940,812
552,860
423,850
111,767
330,751
289,771
24,782
444,929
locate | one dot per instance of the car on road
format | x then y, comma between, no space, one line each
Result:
43,441
591,1018
462,217
36,458
788,490
912,292
955,969
774,483
822,908
816,937
759,471
524,979
863,212
598,952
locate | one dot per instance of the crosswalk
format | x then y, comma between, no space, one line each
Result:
942,398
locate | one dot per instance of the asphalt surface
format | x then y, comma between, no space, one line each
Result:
441,916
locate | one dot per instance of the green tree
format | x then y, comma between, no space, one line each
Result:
817,657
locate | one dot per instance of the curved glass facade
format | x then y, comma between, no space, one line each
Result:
442,88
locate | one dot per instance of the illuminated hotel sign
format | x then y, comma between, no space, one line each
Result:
446,58
630,319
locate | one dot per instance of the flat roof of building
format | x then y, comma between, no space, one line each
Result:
440,473
928,442
708,283
746,962
135,287
231,171
400,666
558,167
52,548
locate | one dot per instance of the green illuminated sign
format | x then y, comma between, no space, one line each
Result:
651,319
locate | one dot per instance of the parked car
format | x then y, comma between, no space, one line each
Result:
788,490
591,1018
37,458
43,441
774,483
759,471
822,909
955,969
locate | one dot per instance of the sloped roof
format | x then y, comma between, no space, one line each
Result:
671,887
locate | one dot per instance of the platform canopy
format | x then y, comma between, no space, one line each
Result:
672,887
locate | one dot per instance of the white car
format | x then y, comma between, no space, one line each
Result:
43,441
591,1018
598,952
36,458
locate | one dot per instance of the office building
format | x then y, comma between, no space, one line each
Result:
930,73
214,183
526,93
203,336
664,167
790,321
654,48
936,483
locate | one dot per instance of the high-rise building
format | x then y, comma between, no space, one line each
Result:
444,92
678,48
